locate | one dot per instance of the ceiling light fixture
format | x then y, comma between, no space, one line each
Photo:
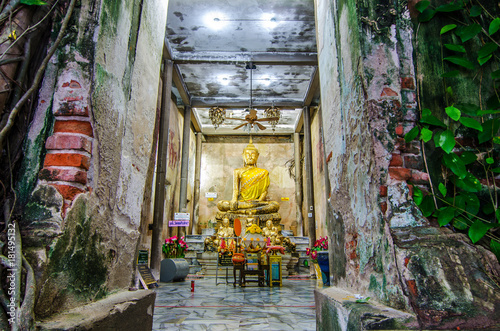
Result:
273,113
217,116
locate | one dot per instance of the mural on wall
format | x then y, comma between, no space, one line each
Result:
218,161
318,157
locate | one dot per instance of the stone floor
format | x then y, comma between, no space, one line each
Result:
224,307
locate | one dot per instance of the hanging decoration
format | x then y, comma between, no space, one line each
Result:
274,114
217,116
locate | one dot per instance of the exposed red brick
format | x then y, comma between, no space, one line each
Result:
399,173
71,109
411,147
383,207
66,175
400,130
413,162
67,191
412,286
410,189
419,177
353,255
329,157
66,84
408,83
67,159
383,190
490,182
69,99
396,160
83,127
68,141
74,84
387,92
407,260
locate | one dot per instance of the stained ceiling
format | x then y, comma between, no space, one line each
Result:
214,43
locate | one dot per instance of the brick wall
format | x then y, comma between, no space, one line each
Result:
69,149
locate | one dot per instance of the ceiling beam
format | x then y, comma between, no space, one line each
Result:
300,122
176,76
259,58
204,102
312,88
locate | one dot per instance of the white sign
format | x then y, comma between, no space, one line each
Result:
310,215
211,195
181,216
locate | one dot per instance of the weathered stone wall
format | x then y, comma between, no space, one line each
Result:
319,184
98,103
381,246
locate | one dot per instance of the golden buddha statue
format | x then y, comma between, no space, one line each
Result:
225,230
270,231
250,186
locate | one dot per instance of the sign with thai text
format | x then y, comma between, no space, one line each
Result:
181,216
178,223
211,195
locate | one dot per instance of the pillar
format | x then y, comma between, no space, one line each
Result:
298,184
161,169
311,224
184,165
197,174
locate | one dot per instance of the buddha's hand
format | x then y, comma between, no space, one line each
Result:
233,204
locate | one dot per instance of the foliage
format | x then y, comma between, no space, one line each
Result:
174,247
467,196
319,245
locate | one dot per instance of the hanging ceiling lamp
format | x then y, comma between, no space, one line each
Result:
274,113
217,116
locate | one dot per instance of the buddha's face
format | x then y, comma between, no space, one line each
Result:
250,156
269,224
225,222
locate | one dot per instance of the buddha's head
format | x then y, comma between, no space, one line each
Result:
269,224
225,222
250,154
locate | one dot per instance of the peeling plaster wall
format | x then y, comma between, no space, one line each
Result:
359,236
117,61
218,161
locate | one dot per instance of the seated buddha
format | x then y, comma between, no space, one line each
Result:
250,186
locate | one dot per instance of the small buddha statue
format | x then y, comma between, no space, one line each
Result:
270,231
225,230
250,186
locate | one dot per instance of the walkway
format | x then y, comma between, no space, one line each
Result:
224,307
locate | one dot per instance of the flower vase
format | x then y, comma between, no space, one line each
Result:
319,276
324,265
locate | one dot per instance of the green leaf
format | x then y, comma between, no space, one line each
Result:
469,183
460,61
488,112
460,223
493,102
468,157
455,48
447,28
33,2
425,134
445,215
418,195
495,170
442,189
490,160
453,112
494,25
412,134
428,118
495,248
469,31
426,15
422,5
364,300
475,11
427,206
449,74
468,108
495,74
487,49
478,230
490,129
483,60
455,164
471,123
488,208
496,140
472,201
447,141
449,7
449,91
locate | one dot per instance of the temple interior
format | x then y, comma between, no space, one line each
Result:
258,164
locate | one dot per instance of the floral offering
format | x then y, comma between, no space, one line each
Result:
174,247
319,245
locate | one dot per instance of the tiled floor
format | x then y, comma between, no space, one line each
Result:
224,307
